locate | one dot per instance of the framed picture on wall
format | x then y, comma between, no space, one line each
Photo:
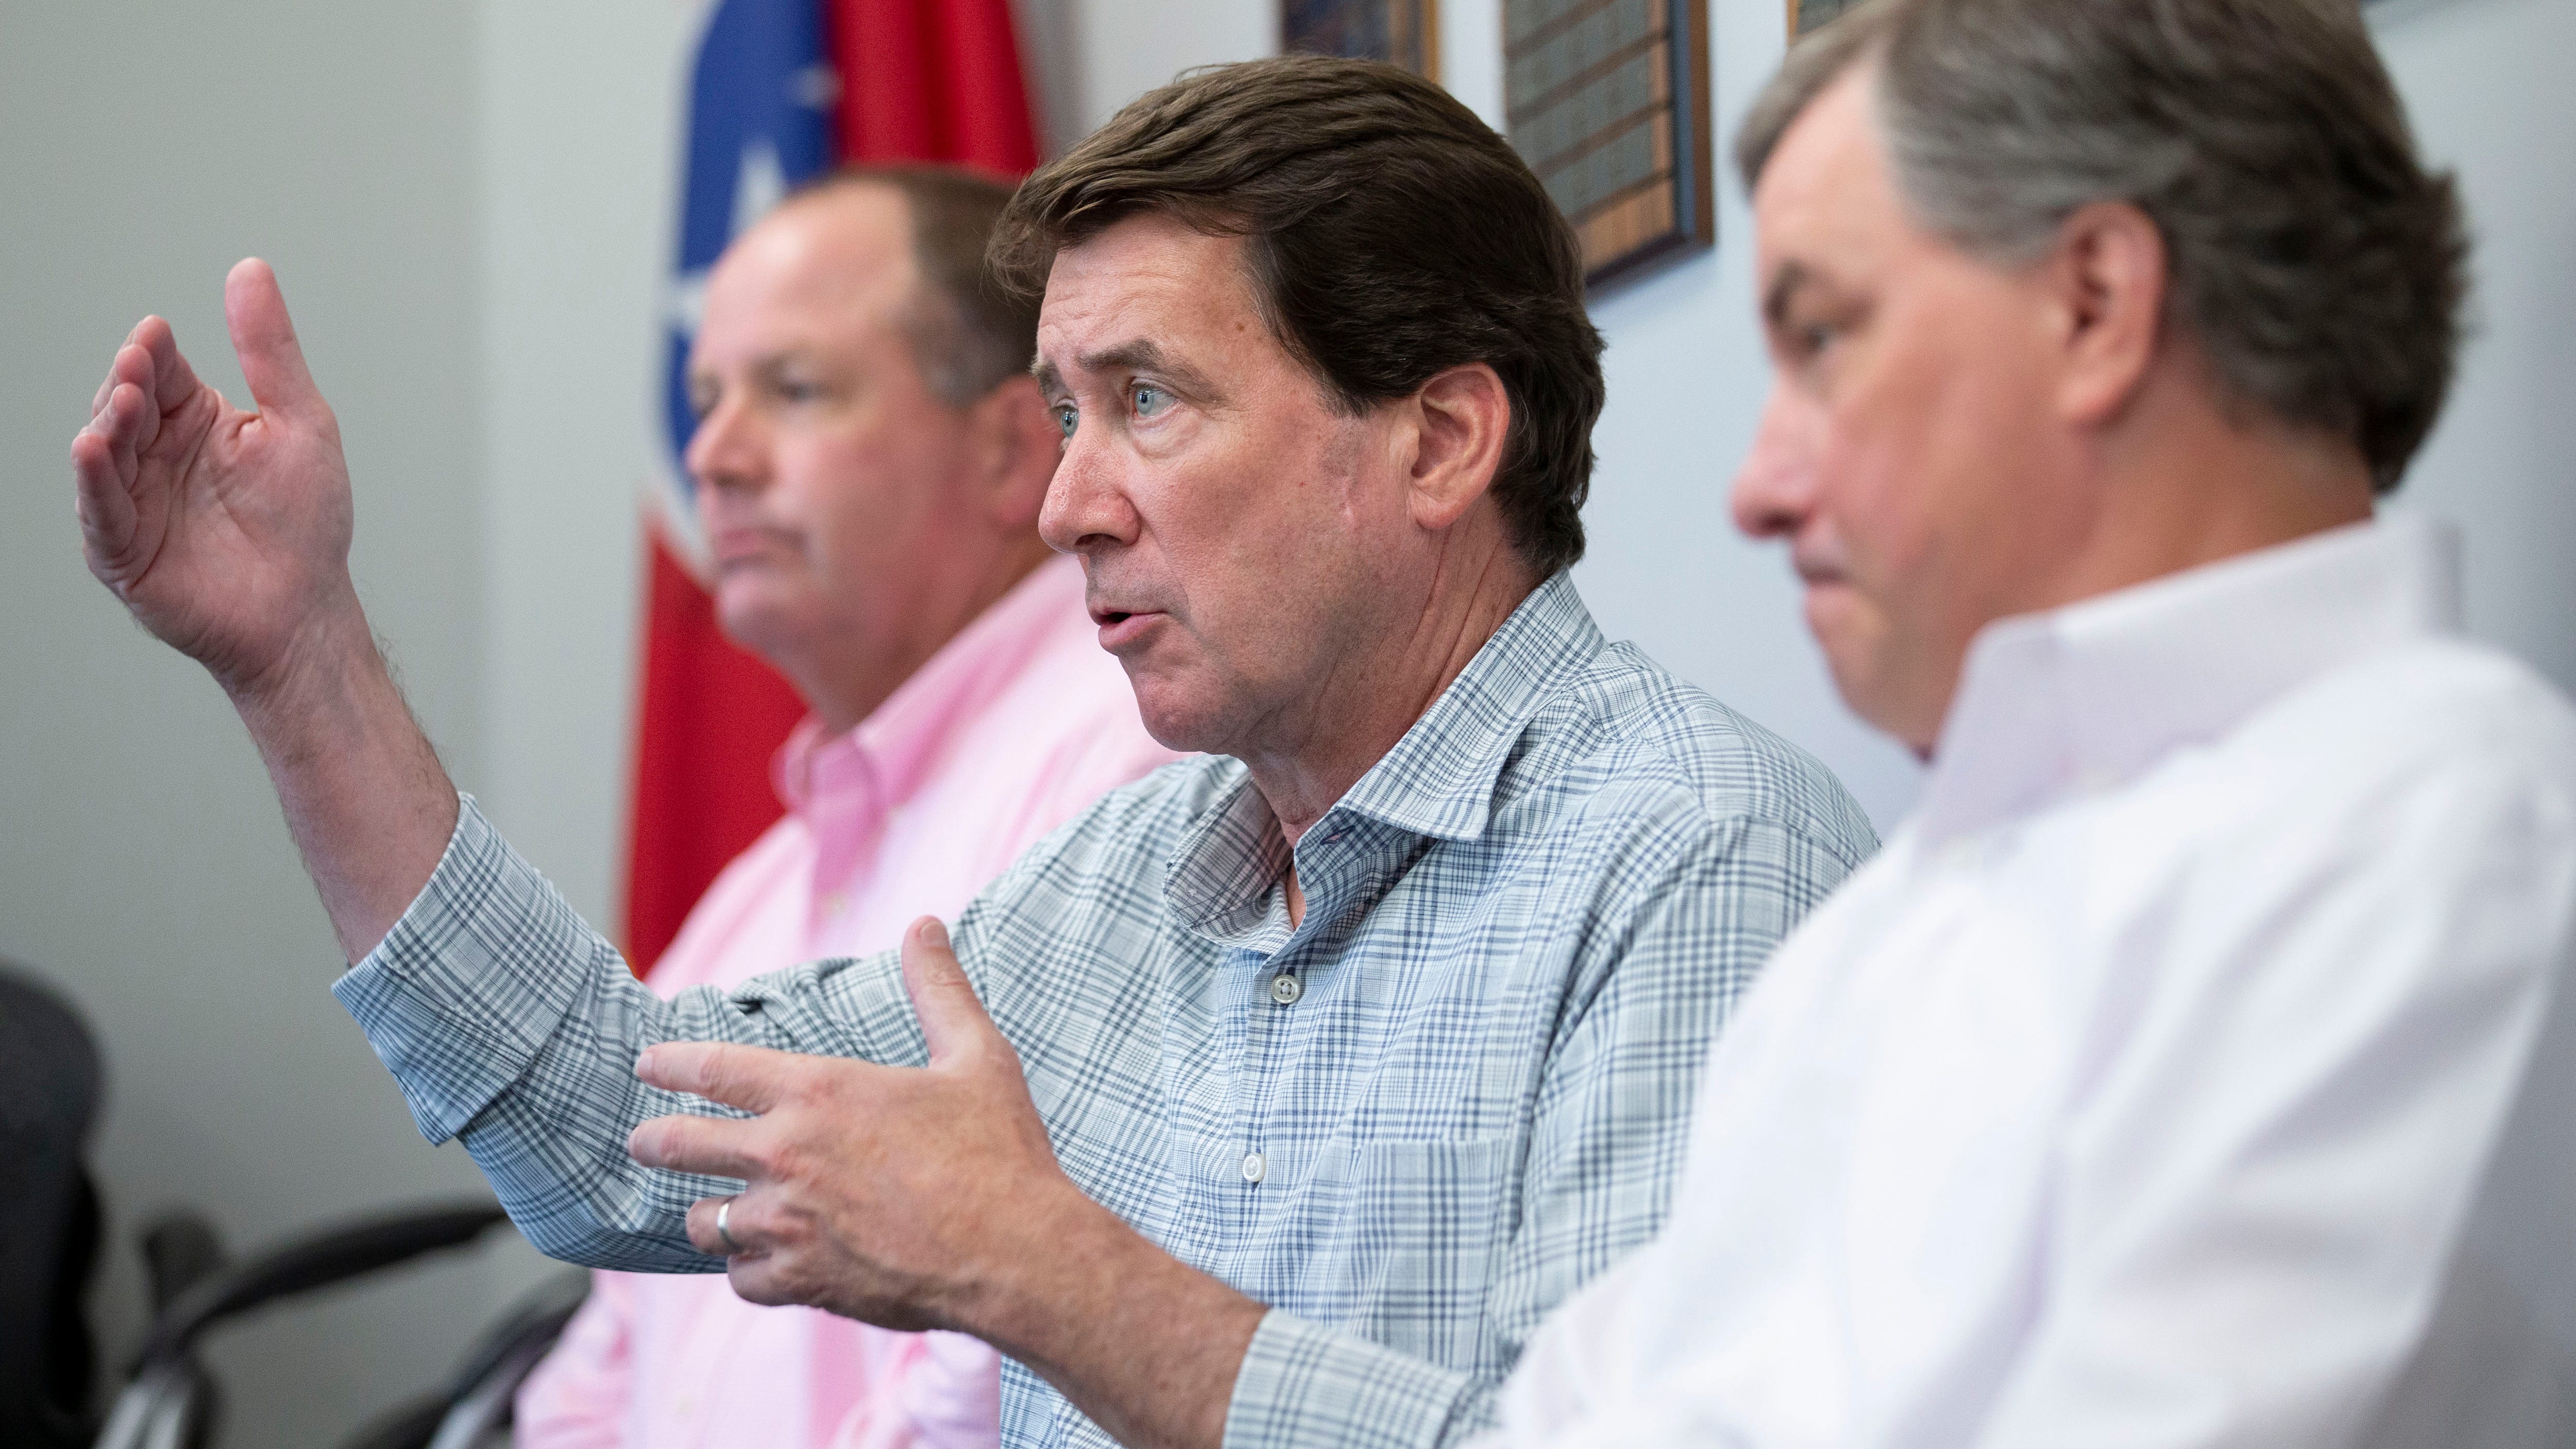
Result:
1806,15
1405,32
1608,102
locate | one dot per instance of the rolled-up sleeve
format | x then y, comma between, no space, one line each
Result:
512,1025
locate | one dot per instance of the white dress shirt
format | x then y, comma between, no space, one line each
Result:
2193,1069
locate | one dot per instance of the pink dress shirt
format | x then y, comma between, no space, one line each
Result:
1010,730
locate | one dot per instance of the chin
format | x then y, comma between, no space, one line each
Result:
753,617
1177,717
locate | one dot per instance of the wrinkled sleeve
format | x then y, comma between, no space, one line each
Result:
1683,933
513,1026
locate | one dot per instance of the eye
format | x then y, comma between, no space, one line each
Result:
798,390
1066,418
1148,400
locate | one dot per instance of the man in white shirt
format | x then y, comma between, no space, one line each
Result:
2197,1066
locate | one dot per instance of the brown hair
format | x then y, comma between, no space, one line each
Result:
970,332
2317,262
1391,235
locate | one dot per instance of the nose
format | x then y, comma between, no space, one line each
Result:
1087,508
1775,488
724,453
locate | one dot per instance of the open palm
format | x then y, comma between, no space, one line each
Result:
225,532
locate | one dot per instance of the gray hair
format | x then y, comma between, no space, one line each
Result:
2319,265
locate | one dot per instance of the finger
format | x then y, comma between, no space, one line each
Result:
99,498
133,370
953,1021
272,361
756,1278
752,1078
712,1146
173,380
122,425
738,1221
98,400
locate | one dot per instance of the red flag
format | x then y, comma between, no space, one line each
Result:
919,80
932,80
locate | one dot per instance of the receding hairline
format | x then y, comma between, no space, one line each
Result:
805,204
1842,51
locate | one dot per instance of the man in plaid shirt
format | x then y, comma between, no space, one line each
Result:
1274,1100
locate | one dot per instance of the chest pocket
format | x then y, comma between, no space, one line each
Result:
1413,1262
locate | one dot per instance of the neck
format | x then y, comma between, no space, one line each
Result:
2196,486
843,686
2180,485
1400,664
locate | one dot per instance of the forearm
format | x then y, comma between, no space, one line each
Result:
1146,1345
511,1024
365,798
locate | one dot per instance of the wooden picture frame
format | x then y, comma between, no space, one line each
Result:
1402,32
1608,102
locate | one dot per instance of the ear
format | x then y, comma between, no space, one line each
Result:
1016,446
2108,278
1461,418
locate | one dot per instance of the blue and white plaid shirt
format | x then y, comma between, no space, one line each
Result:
1411,1124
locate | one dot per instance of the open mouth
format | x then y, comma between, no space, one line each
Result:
1120,628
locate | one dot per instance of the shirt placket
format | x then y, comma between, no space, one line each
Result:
1278,1126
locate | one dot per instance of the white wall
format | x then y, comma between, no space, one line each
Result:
468,201
142,863
578,134
2486,82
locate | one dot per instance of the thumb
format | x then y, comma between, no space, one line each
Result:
272,361
952,1020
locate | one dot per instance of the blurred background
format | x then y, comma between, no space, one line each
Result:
470,203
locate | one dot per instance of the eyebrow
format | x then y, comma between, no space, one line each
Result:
1794,277
1138,355
795,354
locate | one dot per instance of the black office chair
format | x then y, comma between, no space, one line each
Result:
171,1402
50,1090
49,1098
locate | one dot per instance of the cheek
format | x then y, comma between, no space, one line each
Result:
865,503
1870,491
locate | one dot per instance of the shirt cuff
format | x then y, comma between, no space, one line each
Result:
1304,1384
460,996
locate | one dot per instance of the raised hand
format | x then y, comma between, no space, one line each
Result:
225,532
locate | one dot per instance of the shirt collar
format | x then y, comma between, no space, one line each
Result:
892,751
1437,782
2090,696
1439,779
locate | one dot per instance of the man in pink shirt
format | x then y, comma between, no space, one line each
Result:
870,457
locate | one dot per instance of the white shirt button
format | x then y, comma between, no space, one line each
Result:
1285,988
1255,1167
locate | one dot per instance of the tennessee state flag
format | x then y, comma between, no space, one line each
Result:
782,90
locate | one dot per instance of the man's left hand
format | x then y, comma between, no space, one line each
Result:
885,1194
